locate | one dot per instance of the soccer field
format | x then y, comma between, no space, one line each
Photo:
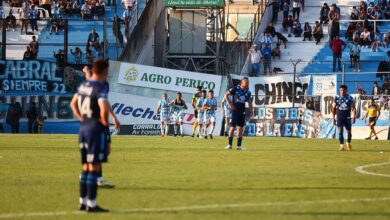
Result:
185,178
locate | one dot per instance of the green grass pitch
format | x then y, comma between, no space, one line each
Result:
185,178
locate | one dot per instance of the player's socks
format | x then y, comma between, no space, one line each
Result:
211,130
83,190
181,130
166,129
99,175
194,127
91,189
230,141
239,141
175,129
349,138
341,138
200,131
162,129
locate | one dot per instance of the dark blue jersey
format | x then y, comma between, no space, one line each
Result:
344,106
240,97
89,93
106,87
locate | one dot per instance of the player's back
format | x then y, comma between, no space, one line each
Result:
89,93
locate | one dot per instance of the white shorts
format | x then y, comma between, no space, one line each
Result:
209,119
177,118
200,119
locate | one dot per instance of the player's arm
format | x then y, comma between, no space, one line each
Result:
172,102
75,108
379,113
104,111
158,107
223,109
226,96
365,117
185,106
117,124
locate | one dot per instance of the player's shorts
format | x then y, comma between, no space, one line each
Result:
228,113
356,58
177,118
200,118
196,113
209,118
108,134
164,117
93,142
372,120
344,122
237,119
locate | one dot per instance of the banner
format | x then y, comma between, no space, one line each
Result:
167,79
193,3
290,122
325,85
39,77
276,91
138,115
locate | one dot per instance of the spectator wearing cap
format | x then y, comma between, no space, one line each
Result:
337,46
256,57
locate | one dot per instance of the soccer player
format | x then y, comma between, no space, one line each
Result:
195,99
91,107
163,108
227,113
101,181
199,107
210,106
373,113
343,105
241,95
178,106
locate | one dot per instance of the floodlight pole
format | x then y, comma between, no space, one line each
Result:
295,63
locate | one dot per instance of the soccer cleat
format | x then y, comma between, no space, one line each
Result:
82,207
241,148
228,147
197,135
211,136
349,147
376,138
104,184
174,135
341,147
193,135
205,137
96,209
368,138
182,135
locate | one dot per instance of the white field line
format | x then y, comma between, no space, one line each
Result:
195,207
361,169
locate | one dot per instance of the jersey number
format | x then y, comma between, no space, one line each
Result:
85,107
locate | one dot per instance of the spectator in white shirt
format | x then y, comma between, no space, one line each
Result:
365,38
255,59
296,9
85,11
127,3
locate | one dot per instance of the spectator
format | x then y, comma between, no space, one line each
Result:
354,54
324,19
40,124
350,30
34,45
271,29
89,57
68,9
34,15
13,117
256,56
116,29
275,10
286,10
46,4
54,24
386,39
365,38
307,32
387,10
376,91
375,14
309,103
318,32
76,10
267,55
337,47
377,42
100,9
24,14
334,25
354,14
287,24
297,29
32,115
61,8
78,55
266,39
126,4
10,21
60,58
126,21
86,11
93,40
28,54
296,9
386,87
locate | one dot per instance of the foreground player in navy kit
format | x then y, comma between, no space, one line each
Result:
100,180
343,105
91,107
241,95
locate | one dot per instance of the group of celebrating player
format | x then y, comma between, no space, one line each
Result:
90,105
